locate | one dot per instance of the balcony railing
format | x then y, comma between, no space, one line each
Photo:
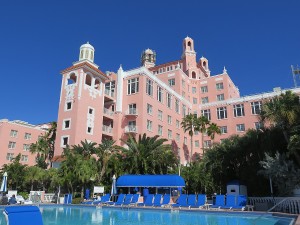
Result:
132,111
131,129
108,112
107,129
109,92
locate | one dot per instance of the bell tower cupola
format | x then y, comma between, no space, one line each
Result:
148,58
87,52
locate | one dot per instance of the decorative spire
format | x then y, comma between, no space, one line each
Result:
224,70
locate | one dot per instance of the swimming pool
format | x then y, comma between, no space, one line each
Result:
78,215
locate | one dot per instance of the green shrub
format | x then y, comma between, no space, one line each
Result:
77,200
25,195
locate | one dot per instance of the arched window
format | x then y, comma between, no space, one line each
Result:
88,80
81,54
204,64
92,56
97,84
193,75
189,45
72,79
86,54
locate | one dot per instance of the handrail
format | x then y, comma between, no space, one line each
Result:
273,207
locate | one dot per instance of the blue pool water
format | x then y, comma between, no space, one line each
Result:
74,215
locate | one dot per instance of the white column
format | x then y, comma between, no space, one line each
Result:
120,89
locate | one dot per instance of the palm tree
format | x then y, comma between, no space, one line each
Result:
212,130
33,175
85,148
203,122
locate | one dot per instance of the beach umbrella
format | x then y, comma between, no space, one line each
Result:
87,194
4,183
113,186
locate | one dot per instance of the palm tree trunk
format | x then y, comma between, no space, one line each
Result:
191,149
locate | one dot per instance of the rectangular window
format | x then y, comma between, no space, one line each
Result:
169,100
68,106
171,82
223,129
160,130
64,141
169,119
149,125
169,134
204,89
27,136
240,127
222,113
133,86
204,100
207,144
195,101
26,147
9,156
24,158
177,124
219,86
238,110
66,124
11,145
220,97
160,115
177,106
185,140
178,137
184,110
206,113
196,144
256,107
258,125
132,109
194,90
159,94
91,111
149,109
13,133
149,87
89,130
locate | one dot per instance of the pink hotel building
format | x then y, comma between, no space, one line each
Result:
151,99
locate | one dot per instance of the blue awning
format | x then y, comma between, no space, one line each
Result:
150,181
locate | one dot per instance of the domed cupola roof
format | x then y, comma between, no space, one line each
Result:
86,52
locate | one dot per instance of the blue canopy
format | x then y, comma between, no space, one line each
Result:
150,181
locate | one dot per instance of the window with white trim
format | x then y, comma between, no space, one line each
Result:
169,134
64,141
207,144
177,124
169,100
220,86
149,87
222,113
149,109
132,109
149,125
159,94
90,111
27,136
185,140
11,145
197,144
66,124
238,110
26,147
169,120
220,97
240,127
9,156
206,113
195,101
258,125
183,110
256,107
177,137
204,89
171,82
223,129
133,86
160,115
204,100
194,90
89,130
13,133
160,130
24,158
68,106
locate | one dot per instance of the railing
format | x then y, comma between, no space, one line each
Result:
109,92
49,197
132,111
131,129
278,204
107,129
108,112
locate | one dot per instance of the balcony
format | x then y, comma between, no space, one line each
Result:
108,112
109,95
131,129
131,112
107,130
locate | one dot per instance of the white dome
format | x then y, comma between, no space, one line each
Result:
87,45
148,51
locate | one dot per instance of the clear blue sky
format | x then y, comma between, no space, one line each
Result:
256,40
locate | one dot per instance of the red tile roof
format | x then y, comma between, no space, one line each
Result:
82,65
